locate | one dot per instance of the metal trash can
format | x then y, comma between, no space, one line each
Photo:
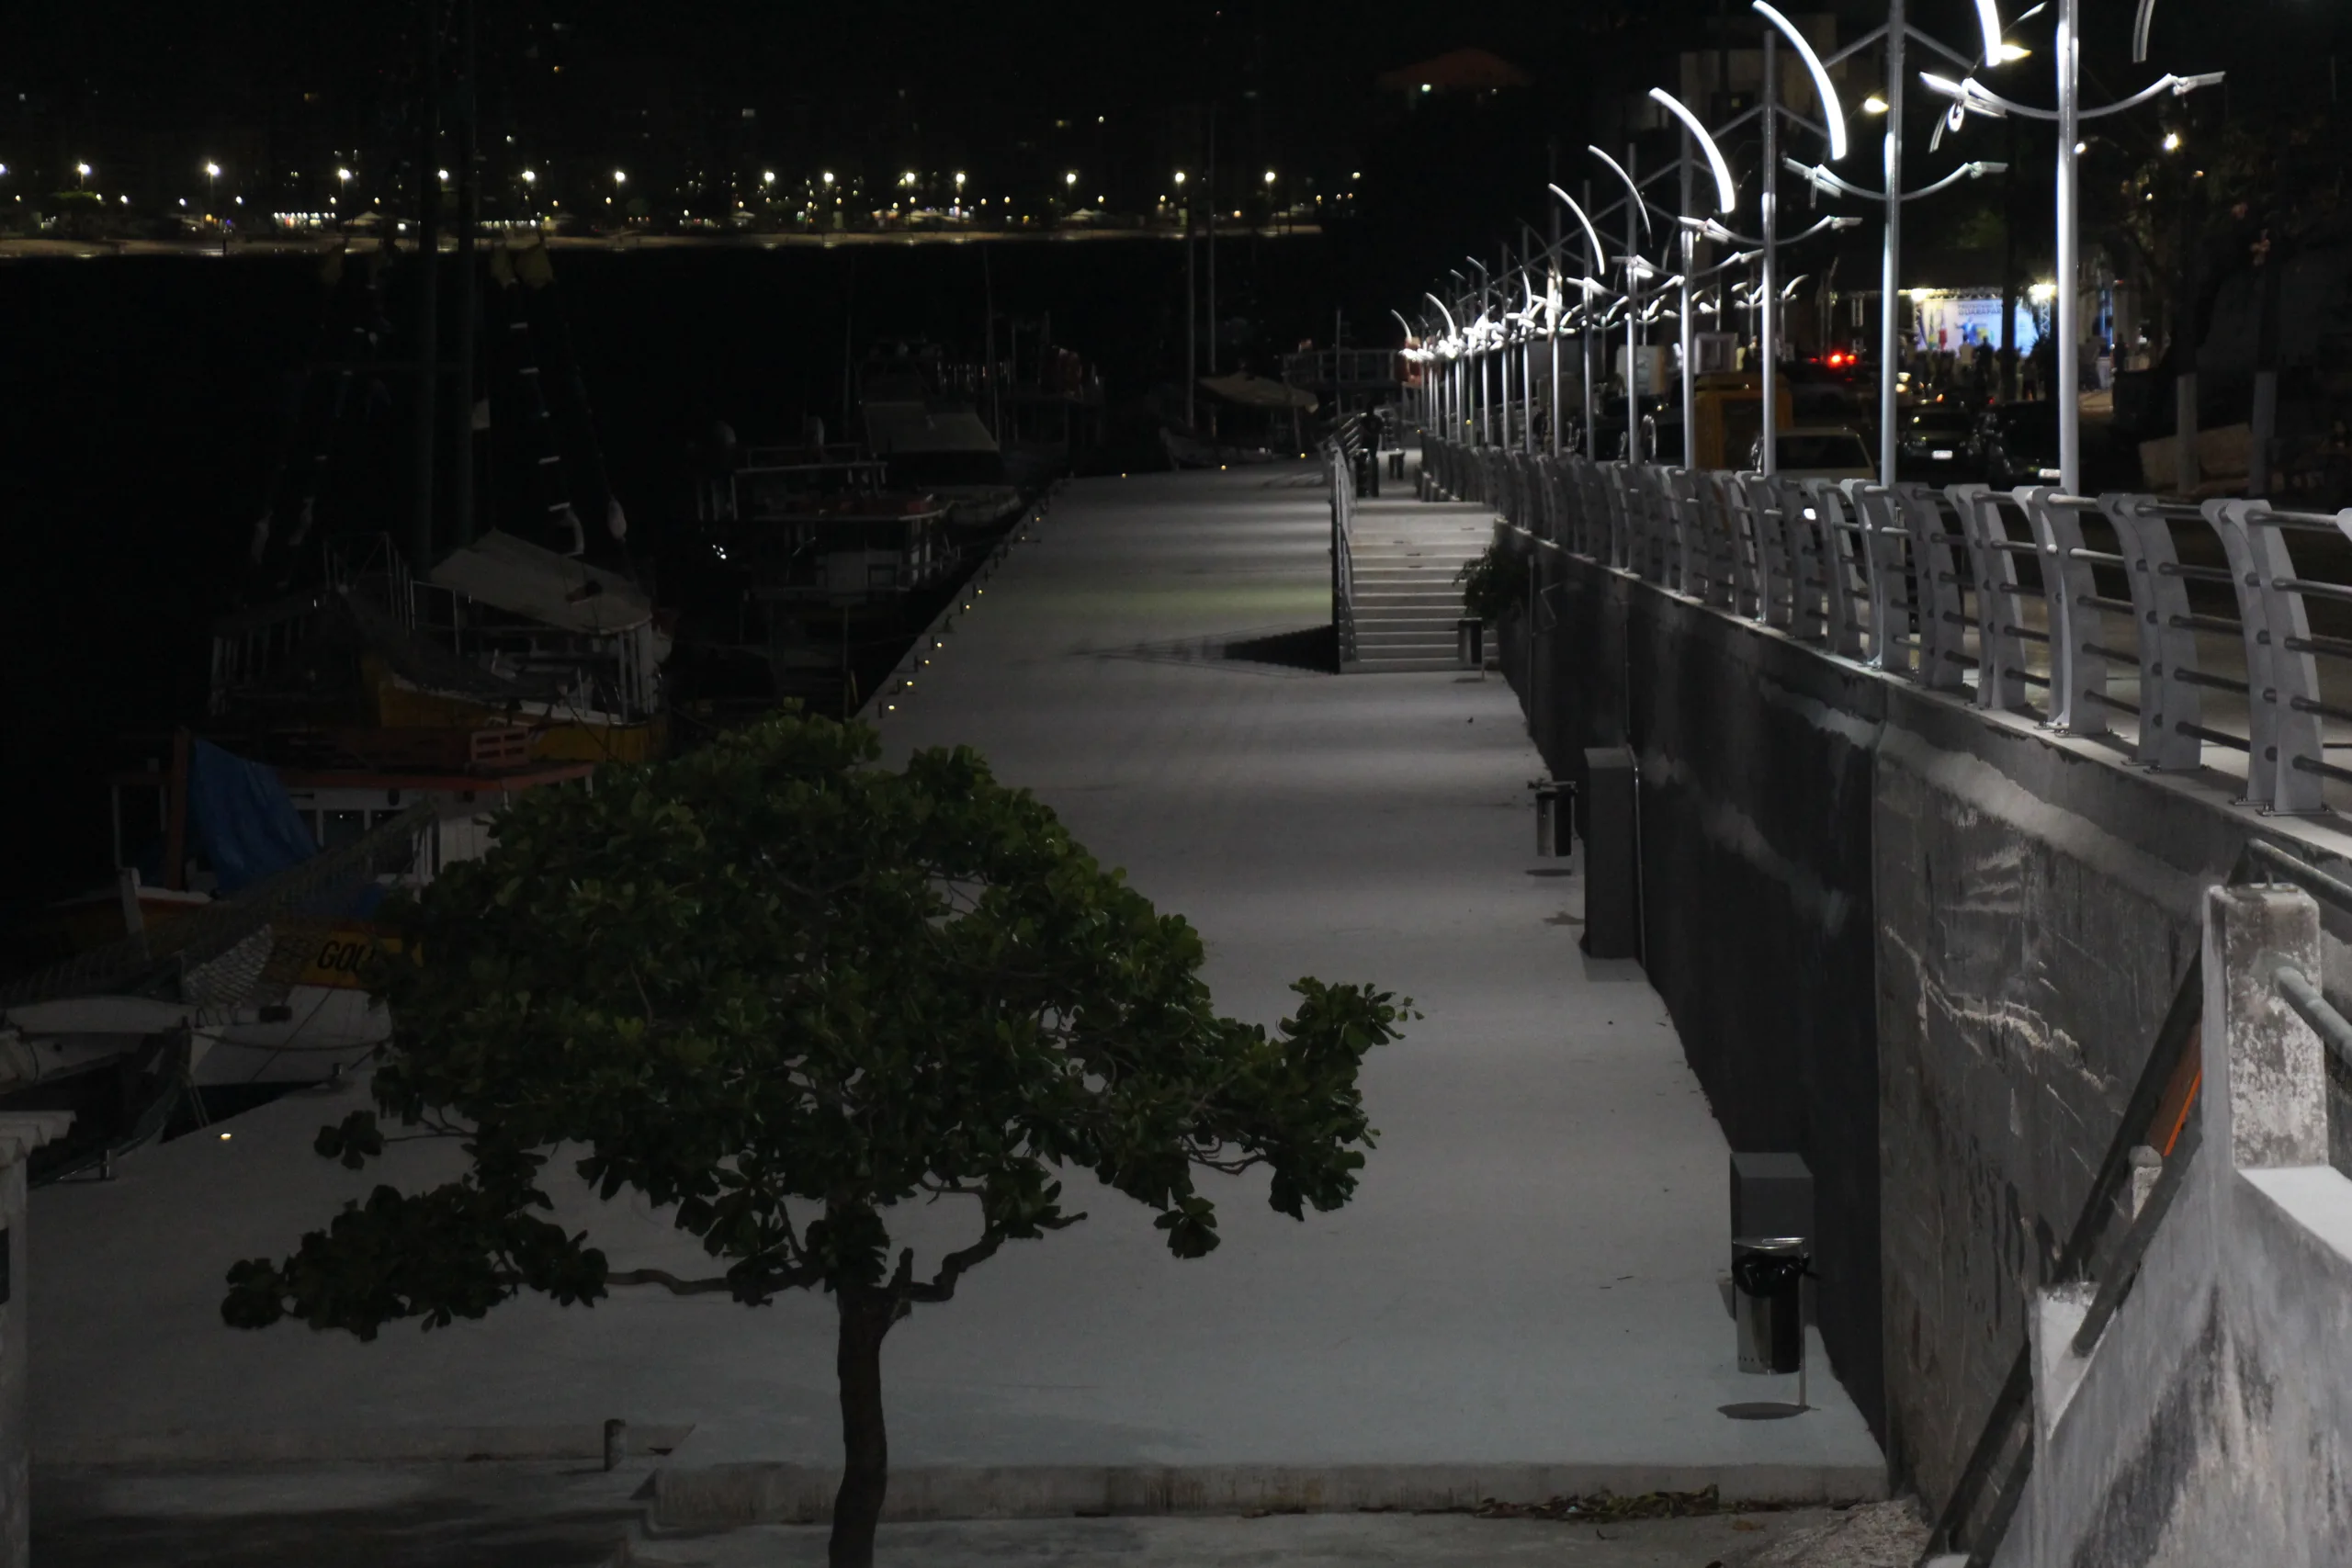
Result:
1470,642
1554,817
1767,1298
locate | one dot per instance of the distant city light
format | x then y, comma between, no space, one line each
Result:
529,177
443,174
829,176
2172,144
1179,177
1269,176
82,170
1873,104
767,176
212,171
1425,87
1070,179
959,182
344,175
620,177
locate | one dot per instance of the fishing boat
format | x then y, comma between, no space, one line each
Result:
806,560
246,921
931,437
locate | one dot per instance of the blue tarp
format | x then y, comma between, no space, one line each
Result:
241,818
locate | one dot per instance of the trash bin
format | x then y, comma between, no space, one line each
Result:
1554,811
1767,1294
1470,642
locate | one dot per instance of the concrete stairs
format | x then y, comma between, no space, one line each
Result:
1406,556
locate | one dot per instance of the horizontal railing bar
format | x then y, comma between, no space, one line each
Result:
2106,652
2093,694
2204,624
2333,888
2217,682
2100,601
2336,591
2198,731
2107,557
2334,647
2313,766
2332,1028
2312,705
2193,573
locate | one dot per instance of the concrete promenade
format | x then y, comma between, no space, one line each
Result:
1522,1299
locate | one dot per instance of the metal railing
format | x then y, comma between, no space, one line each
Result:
1354,439
2215,635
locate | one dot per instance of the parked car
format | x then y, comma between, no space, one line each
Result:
1818,452
1938,443
2017,445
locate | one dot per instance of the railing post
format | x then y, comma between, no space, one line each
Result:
1942,667
2078,660
1775,592
2166,639
2257,557
2000,652
1894,610
2289,691
1834,535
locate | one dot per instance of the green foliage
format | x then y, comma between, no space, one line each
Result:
1495,584
785,989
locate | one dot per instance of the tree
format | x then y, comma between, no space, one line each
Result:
782,990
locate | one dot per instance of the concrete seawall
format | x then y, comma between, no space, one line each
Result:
1927,945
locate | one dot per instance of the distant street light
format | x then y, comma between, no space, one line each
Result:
1070,179
529,177
211,182
620,177
1179,177
829,176
81,175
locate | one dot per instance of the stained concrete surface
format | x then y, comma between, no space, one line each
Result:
1527,1277
562,1514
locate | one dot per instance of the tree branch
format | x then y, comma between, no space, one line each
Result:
668,1281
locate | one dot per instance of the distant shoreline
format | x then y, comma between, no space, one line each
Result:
30,249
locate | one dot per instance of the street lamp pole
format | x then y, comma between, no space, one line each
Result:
2070,364
1891,253
1686,345
1768,196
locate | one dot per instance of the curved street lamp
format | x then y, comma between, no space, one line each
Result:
1833,114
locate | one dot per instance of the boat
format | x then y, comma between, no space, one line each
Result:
804,560
932,439
246,928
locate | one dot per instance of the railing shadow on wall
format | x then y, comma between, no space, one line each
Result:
2211,640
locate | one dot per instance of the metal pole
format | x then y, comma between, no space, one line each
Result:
1210,240
1584,337
2069,368
428,299
1552,314
1634,453
461,492
1768,337
1889,263
1192,326
1690,265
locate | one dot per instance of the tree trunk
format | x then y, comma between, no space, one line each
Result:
865,1446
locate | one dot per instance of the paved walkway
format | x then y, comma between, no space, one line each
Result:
1522,1300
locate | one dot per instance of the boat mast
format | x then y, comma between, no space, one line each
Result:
461,494
428,262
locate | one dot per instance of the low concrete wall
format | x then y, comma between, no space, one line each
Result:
1924,945
2208,1424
